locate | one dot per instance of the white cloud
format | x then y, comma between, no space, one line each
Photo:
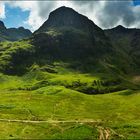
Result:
39,11
106,14
2,10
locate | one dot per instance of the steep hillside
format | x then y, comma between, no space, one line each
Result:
126,41
75,37
72,33
13,34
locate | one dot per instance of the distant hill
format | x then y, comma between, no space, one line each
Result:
13,34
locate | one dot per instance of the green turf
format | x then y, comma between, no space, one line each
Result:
41,95
119,111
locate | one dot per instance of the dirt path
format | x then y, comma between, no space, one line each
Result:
50,121
106,133
101,133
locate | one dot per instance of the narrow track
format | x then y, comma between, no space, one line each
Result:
50,121
104,133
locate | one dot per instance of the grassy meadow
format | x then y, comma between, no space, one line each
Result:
60,95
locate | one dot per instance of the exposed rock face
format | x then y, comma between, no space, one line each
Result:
65,16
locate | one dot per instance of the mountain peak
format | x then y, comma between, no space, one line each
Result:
21,28
66,17
2,26
63,10
120,27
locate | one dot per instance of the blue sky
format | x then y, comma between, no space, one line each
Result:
136,2
15,17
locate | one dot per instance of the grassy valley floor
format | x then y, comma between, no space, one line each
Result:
47,105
